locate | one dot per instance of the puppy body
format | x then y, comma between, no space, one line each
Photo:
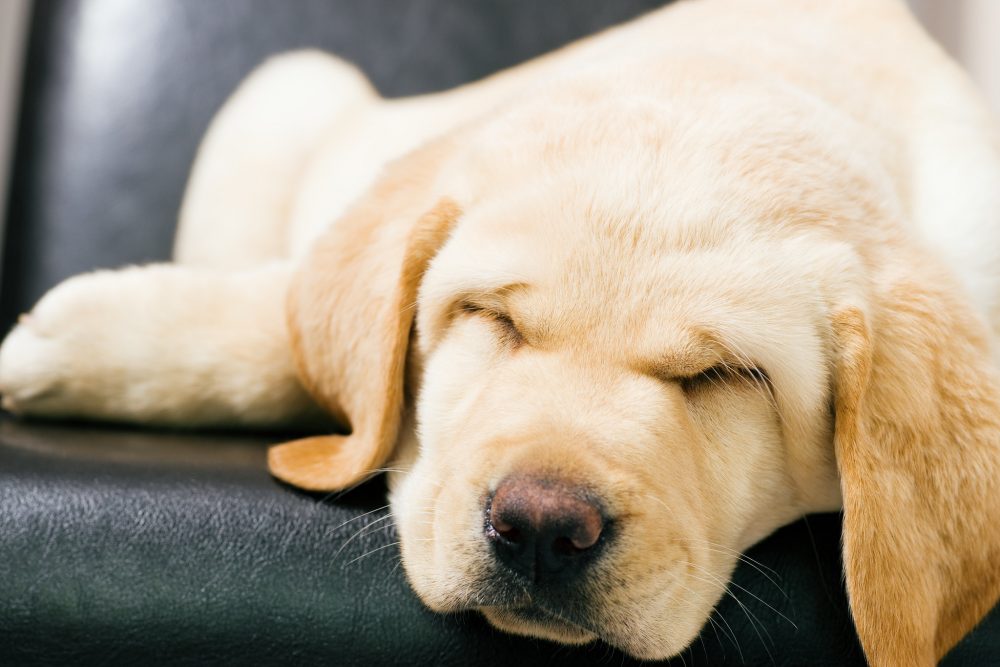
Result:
801,196
260,191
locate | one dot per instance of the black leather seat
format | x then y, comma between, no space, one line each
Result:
127,546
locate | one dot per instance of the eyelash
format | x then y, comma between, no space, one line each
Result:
509,332
723,373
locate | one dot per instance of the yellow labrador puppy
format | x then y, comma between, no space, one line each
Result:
673,287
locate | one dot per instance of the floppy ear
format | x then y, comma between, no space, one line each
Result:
918,446
350,308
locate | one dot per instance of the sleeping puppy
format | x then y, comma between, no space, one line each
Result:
611,317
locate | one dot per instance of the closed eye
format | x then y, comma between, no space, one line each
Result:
724,374
507,331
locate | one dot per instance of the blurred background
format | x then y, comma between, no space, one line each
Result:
102,102
13,37
968,29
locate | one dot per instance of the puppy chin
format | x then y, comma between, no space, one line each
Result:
521,622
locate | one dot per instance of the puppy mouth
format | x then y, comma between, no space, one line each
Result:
535,621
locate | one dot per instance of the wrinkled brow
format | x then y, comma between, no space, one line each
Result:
488,297
691,353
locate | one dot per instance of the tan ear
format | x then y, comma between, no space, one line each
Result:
350,308
917,439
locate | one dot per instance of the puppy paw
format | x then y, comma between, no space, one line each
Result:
159,344
29,371
47,361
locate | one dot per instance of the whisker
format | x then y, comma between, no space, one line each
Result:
721,548
715,626
360,516
376,549
749,562
751,617
360,531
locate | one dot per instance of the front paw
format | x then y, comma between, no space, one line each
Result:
47,362
29,368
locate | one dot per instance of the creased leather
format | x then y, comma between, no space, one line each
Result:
122,546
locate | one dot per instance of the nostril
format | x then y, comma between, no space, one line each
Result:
586,528
497,527
511,535
499,524
564,546
507,531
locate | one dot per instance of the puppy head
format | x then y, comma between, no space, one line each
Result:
606,424
632,369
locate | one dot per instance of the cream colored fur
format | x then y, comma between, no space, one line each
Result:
805,192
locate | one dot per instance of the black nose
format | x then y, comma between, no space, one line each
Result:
543,529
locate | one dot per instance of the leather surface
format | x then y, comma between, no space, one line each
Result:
121,546
124,547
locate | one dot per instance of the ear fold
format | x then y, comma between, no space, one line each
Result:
918,446
350,308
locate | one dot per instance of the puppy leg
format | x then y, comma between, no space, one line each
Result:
160,344
246,176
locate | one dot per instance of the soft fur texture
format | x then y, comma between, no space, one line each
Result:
723,266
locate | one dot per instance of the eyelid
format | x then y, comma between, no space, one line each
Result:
476,308
511,333
725,372
470,307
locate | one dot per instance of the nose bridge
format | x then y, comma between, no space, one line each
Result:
567,385
568,394
588,422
